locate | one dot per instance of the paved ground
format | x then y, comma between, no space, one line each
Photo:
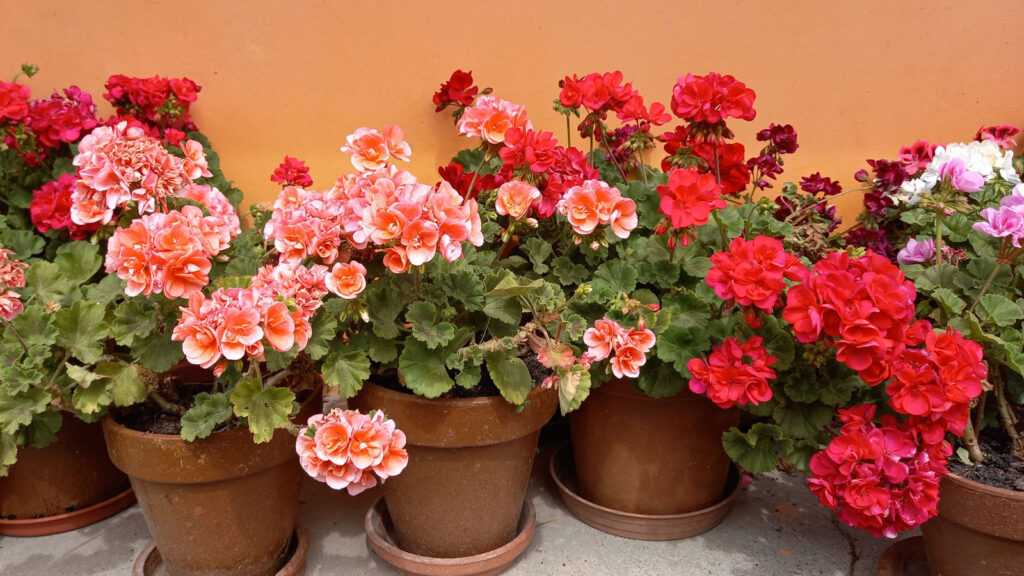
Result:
776,528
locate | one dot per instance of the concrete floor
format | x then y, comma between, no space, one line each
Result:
776,528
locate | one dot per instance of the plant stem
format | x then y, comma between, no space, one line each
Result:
721,229
568,131
980,410
608,149
938,236
495,344
970,440
984,289
165,404
1009,420
640,157
17,336
476,173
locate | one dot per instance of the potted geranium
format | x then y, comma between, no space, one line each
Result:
466,317
950,215
62,362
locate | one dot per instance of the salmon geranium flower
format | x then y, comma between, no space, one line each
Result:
347,279
344,449
515,199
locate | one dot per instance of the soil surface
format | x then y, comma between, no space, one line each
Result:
999,470
150,418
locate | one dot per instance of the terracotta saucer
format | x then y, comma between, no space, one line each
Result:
48,525
379,534
149,562
637,526
904,558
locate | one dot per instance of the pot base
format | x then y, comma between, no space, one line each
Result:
48,525
904,558
637,526
379,534
149,562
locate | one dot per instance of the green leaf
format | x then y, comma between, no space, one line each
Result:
423,370
35,327
540,252
696,266
46,280
469,376
17,410
568,272
510,375
383,303
506,309
661,380
346,372
23,243
800,455
938,276
81,330
425,327
125,385
1001,310
8,452
105,291
614,278
81,375
43,430
157,352
132,319
573,387
92,399
755,450
508,286
678,345
381,350
802,420
265,409
208,412
837,391
324,325
951,303
78,261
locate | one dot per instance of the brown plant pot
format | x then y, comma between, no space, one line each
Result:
219,506
469,463
979,530
66,485
150,563
643,455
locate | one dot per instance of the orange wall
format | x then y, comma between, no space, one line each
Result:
857,79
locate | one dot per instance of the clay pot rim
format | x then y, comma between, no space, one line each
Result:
454,566
68,521
982,488
622,388
566,491
295,565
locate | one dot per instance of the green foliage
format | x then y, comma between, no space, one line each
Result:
265,409
208,412
755,450
78,261
81,330
510,375
425,325
423,371
346,372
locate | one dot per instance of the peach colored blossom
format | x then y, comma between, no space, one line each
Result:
515,199
332,440
368,148
195,164
347,279
490,118
623,218
279,327
186,274
368,445
395,457
241,329
601,338
580,207
643,339
627,362
420,241
397,145
396,259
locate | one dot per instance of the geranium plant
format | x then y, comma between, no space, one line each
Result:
66,174
952,218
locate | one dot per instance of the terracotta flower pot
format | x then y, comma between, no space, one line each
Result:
469,463
646,455
219,506
979,530
61,482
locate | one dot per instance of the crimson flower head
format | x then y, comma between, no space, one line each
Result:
459,89
734,373
689,198
754,272
13,101
817,184
712,98
1001,135
734,173
918,155
292,172
783,138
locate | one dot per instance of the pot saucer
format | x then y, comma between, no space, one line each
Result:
379,535
904,558
56,524
636,526
149,562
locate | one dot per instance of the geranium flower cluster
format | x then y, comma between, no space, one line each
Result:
344,449
50,208
862,306
880,478
491,118
121,164
687,201
292,172
536,158
594,204
12,276
712,98
628,347
171,252
964,167
36,127
233,322
734,373
372,150
753,273
162,103
458,90
1007,221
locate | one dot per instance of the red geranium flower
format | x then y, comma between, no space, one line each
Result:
292,172
712,98
689,198
459,89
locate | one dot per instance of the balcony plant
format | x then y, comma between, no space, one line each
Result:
61,368
949,215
